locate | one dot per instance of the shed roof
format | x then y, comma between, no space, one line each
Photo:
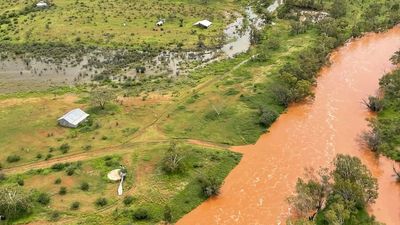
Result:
204,23
74,116
41,4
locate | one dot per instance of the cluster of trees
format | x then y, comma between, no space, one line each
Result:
339,196
384,134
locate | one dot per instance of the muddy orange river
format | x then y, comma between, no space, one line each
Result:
310,135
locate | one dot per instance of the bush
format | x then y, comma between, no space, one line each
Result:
58,166
64,148
57,181
210,186
128,200
2,176
54,216
39,156
84,186
13,158
267,117
75,205
141,214
70,170
14,202
101,202
62,191
374,104
43,198
20,181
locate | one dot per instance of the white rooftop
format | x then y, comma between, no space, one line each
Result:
41,4
74,116
204,23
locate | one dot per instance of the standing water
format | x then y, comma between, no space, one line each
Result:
310,135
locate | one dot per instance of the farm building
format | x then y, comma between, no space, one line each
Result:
203,23
42,4
73,118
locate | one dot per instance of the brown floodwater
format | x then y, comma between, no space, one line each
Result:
310,135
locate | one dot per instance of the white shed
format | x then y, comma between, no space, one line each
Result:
73,118
42,4
203,23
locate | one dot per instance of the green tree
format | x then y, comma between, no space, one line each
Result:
101,96
14,202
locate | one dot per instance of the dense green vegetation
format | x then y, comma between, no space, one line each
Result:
384,136
149,187
282,69
340,196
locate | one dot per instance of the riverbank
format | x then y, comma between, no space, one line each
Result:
310,135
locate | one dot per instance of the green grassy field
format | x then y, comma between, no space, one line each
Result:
151,188
115,23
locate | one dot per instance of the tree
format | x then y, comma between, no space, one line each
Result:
337,214
396,58
353,181
14,202
312,194
101,96
173,160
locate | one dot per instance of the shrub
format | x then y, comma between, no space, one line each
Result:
70,170
48,156
64,148
167,214
141,214
57,181
20,181
39,156
2,176
128,200
62,191
54,216
75,205
374,104
210,186
267,117
43,198
101,202
13,158
58,166
84,186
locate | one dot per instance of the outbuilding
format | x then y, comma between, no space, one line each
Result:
203,23
42,4
73,118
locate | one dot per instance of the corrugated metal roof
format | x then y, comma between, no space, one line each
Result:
204,23
74,116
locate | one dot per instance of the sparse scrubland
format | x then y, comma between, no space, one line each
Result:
148,123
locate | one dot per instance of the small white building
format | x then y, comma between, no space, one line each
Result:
203,23
42,4
73,118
